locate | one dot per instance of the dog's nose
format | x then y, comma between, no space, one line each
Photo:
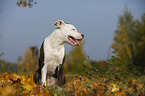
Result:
82,36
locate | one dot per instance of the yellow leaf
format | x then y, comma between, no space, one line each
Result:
29,80
27,87
23,80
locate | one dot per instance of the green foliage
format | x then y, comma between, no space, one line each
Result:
99,66
75,59
86,68
78,63
120,67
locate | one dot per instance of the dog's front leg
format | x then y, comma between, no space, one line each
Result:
44,73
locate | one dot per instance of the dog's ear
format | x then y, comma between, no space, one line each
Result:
59,23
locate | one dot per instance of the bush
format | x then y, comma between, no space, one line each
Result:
120,67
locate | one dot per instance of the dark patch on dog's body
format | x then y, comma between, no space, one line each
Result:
37,75
61,77
41,58
59,72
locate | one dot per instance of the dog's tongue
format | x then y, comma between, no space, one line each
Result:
75,42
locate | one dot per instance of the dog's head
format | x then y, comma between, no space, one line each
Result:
69,33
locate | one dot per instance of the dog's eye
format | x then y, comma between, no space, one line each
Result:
74,29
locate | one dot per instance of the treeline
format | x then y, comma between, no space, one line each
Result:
76,62
8,67
26,64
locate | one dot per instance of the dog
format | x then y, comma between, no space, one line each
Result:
52,54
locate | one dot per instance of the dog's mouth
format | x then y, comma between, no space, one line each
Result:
74,40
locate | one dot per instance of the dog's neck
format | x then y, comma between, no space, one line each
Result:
57,41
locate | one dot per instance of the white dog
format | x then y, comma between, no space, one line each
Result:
52,54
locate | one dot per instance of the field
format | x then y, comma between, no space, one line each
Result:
121,73
76,85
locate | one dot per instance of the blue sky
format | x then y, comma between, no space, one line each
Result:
96,19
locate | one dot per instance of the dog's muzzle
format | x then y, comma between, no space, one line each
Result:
74,40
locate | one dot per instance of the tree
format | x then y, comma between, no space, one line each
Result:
122,39
130,39
25,3
139,46
28,63
75,58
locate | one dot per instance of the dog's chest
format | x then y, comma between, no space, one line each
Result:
53,56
